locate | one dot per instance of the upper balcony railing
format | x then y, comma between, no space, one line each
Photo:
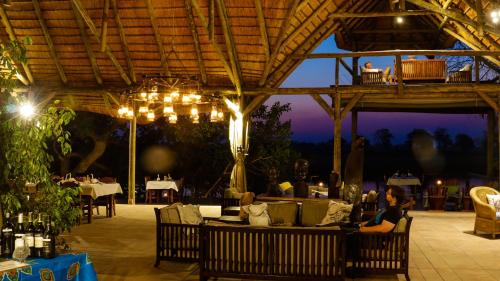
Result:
412,71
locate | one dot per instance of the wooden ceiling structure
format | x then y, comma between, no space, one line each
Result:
86,52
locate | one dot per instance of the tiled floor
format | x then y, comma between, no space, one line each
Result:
442,248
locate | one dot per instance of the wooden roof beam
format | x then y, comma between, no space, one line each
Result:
445,6
382,14
254,104
263,29
104,26
391,31
12,37
318,36
158,38
350,105
452,14
48,39
230,44
404,52
470,41
196,40
215,45
88,45
324,105
93,30
281,38
123,41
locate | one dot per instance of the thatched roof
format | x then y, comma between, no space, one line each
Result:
255,42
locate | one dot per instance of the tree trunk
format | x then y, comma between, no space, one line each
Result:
99,148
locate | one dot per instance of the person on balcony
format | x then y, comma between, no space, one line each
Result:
386,74
386,220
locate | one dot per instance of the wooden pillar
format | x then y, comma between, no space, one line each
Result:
355,66
131,161
354,126
477,61
498,130
337,133
489,144
399,74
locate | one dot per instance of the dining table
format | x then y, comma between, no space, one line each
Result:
153,187
94,190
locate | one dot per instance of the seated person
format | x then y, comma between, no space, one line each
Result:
386,220
386,74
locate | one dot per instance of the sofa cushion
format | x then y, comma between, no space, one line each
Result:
313,212
401,226
257,214
190,214
170,214
282,213
336,212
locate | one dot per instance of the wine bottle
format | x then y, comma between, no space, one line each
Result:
8,237
39,231
30,235
20,224
49,242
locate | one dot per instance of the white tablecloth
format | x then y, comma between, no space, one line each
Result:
161,185
403,181
100,189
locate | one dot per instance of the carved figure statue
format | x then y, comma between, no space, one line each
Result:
353,187
273,188
300,188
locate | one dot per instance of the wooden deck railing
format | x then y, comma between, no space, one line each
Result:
423,70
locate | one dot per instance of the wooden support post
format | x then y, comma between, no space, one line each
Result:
480,17
355,66
477,62
104,26
48,39
337,133
399,73
498,130
263,29
354,126
131,160
489,144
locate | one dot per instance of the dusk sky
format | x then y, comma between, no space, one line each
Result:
310,123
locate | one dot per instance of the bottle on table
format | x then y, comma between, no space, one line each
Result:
30,235
20,224
39,231
8,237
49,241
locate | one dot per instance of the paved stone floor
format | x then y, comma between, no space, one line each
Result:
442,248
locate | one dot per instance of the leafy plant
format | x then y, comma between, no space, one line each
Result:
24,154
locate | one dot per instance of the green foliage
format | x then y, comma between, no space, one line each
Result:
24,155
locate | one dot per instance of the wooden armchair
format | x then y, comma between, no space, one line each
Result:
372,78
487,219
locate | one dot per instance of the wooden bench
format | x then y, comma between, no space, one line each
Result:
285,253
430,70
457,77
383,253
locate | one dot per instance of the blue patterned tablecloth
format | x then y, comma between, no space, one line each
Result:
70,267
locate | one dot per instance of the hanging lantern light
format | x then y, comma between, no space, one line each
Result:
151,115
143,109
168,109
172,119
167,99
194,114
186,99
220,115
130,113
174,95
214,114
143,95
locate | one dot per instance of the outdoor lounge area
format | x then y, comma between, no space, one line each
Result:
249,140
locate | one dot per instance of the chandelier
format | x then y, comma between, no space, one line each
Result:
169,97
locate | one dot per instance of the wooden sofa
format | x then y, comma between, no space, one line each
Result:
288,253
